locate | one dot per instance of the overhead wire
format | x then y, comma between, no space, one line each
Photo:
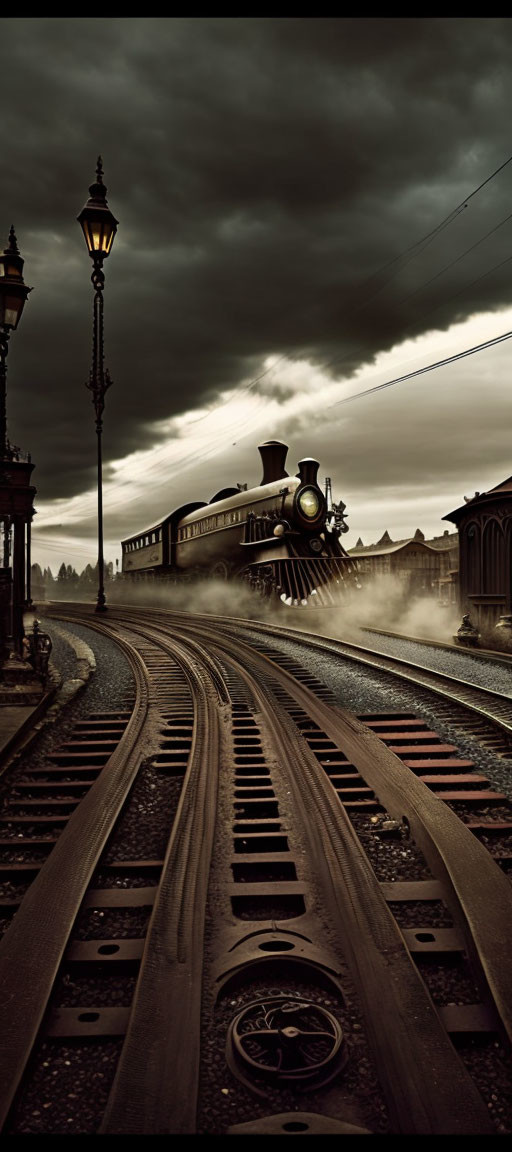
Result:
457,259
465,287
403,299
427,368
398,263
412,252
429,236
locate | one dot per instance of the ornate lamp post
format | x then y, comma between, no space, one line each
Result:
99,228
16,492
13,293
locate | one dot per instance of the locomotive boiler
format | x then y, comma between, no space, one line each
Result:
282,538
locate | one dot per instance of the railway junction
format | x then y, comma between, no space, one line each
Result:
257,880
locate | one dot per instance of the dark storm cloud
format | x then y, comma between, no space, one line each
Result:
262,170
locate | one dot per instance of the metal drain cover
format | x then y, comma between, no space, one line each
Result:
285,1041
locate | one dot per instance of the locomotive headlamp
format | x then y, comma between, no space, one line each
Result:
309,503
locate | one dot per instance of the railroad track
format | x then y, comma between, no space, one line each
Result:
486,654
278,981
486,714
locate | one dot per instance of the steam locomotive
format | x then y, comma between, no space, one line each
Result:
282,538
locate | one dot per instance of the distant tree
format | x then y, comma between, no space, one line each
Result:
62,574
37,582
87,576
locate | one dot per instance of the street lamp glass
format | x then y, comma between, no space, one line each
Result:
7,269
99,228
11,307
13,290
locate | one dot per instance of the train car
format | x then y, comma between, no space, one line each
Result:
282,537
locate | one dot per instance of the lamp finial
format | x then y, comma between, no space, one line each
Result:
13,243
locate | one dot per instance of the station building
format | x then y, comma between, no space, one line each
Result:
425,567
484,525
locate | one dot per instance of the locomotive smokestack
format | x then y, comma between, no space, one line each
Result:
273,456
308,469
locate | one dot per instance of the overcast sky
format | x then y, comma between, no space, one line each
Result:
266,174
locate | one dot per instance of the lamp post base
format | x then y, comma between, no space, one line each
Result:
101,606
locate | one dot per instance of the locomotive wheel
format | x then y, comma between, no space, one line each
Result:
220,571
285,1041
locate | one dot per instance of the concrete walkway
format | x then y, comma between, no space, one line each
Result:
19,722
13,721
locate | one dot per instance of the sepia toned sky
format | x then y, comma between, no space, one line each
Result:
297,224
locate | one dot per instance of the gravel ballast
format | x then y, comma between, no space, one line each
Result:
484,673
361,691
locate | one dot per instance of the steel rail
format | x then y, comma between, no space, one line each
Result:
466,696
379,661
162,1039
156,1084
486,654
32,949
389,984
483,909
454,855
459,692
427,1088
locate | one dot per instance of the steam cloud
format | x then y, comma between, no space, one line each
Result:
380,604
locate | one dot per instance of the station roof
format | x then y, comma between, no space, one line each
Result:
502,491
375,550
386,544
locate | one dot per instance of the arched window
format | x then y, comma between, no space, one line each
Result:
493,550
507,533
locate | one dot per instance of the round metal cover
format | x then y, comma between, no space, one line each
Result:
285,1041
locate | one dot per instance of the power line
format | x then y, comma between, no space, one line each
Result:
457,259
207,450
414,292
429,236
469,284
399,261
412,251
428,368
453,296
416,250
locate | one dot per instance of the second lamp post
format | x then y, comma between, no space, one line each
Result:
99,228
